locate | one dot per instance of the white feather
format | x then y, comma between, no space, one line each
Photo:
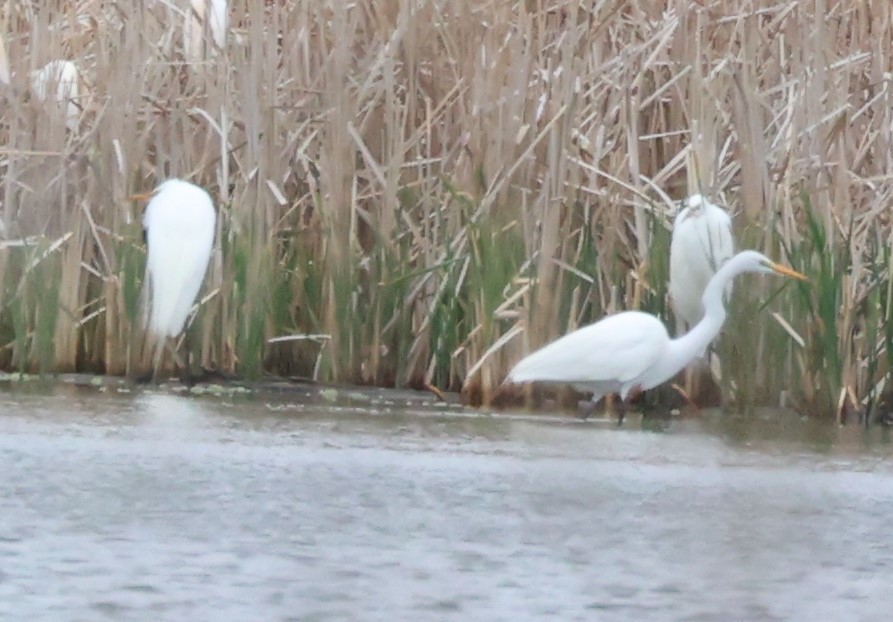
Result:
219,18
602,357
702,242
179,222
200,19
65,77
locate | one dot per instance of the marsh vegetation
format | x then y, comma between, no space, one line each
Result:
420,192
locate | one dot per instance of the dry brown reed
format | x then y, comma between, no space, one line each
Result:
420,191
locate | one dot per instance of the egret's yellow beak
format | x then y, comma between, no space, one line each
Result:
142,196
785,271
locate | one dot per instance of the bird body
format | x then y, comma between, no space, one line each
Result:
219,21
201,15
702,242
573,360
632,350
60,80
179,222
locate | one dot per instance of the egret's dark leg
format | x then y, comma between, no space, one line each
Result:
145,378
587,408
692,382
621,411
159,356
151,376
187,377
193,373
148,375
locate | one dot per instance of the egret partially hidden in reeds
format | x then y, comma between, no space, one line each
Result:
631,351
179,223
4,63
205,16
702,242
59,81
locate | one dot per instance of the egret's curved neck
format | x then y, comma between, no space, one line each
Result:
695,342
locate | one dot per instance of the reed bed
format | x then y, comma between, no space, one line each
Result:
418,192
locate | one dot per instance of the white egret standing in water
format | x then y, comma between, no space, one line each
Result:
179,222
631,351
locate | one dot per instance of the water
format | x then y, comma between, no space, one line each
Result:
151,506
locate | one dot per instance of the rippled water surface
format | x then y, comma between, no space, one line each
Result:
153,506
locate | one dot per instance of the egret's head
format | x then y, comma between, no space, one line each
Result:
752,261
688,206
695,201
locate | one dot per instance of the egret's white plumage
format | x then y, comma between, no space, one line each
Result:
605,357
4,63
179,222
212,15
632,350
218,19
702,242
63,78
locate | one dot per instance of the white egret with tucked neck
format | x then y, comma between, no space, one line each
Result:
179,224
631,351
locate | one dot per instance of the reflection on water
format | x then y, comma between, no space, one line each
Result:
151,506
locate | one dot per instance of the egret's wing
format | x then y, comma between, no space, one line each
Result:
616,349
721,242
4,62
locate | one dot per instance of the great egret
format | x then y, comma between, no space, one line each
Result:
62,78
179,222
701,243
631,351
198,19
